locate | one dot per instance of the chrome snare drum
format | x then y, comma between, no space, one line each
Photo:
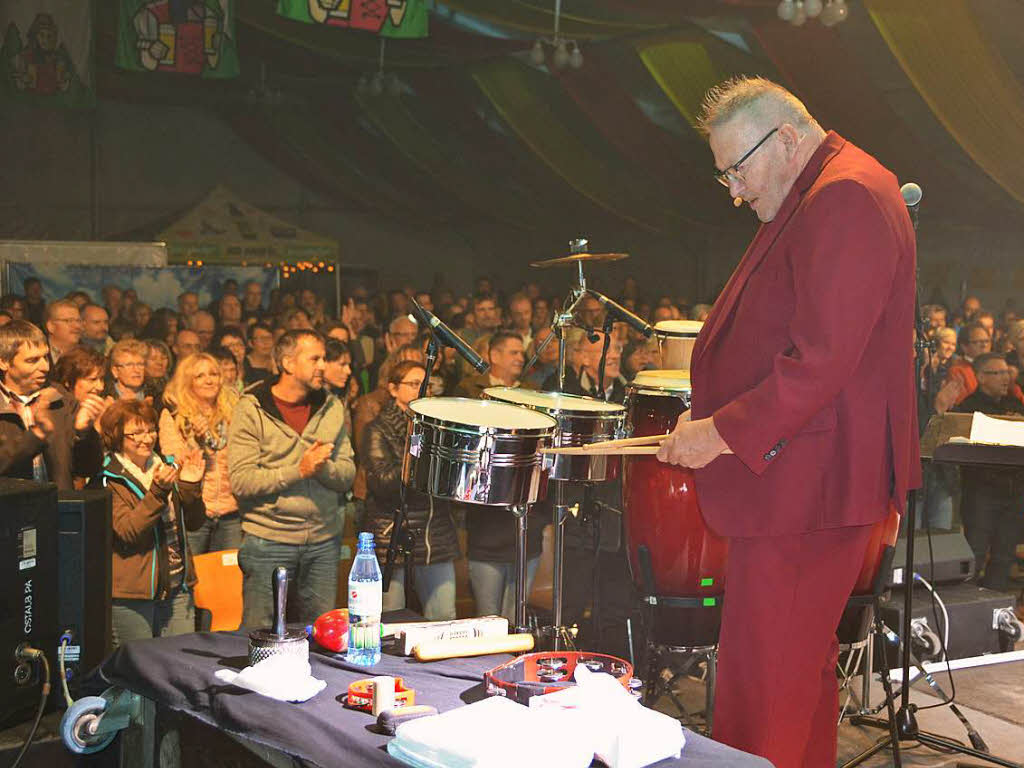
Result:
580,420
476,451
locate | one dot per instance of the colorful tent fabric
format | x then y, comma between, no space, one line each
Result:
965,82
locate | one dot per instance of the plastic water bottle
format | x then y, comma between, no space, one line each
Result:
365,600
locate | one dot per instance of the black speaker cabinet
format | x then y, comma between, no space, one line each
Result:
28,592
954,560
84,574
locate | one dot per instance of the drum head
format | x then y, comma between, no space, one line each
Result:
685,329
486,414
668,380
553,401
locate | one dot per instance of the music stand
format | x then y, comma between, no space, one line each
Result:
961,454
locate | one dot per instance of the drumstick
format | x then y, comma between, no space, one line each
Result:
627,450
612,451
645,440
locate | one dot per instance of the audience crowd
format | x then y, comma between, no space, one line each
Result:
262,423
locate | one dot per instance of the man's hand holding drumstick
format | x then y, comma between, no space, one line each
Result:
693,444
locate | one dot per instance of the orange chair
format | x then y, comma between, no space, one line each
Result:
219,588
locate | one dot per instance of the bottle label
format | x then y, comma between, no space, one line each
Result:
365,598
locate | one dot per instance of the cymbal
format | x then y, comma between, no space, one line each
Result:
568,260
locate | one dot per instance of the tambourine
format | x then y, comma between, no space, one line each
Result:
535,674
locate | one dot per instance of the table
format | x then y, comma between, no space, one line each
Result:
177,673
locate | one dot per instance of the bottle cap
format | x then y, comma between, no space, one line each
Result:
365,539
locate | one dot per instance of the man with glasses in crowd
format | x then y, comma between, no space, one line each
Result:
803,426
128,370
63,327
961,381
992,498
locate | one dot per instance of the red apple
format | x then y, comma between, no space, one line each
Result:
330,630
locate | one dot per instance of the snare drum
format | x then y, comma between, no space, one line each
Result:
660,502
476,451
580,420
675,340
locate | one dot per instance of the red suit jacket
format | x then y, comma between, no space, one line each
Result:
806,361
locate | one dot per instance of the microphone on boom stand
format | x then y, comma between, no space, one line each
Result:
621,313
449,338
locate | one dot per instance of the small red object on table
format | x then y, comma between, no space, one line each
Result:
360,695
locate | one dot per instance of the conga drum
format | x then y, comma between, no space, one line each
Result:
662,521
675,341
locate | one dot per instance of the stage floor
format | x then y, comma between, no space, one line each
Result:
991,698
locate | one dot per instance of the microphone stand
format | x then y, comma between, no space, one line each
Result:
906,727
607,330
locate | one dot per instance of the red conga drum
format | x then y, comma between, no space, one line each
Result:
662,519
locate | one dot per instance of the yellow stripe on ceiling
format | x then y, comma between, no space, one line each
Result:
966,83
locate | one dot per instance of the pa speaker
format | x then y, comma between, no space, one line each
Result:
28,592
84,573
953,558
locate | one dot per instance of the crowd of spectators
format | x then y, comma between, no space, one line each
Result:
975,365
262,423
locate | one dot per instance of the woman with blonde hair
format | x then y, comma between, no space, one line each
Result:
197,414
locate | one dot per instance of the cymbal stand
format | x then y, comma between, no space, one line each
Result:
565,318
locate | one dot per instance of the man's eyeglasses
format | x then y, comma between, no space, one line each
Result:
732,174
1004,372
418,383
129,365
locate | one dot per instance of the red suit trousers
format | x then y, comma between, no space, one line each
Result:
777,692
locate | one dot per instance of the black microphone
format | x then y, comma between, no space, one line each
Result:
449,338
623,314
912,195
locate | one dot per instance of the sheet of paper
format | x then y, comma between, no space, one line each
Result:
994,431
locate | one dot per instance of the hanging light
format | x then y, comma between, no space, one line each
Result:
828,15
561,57
786,10
537,53
576,57
842,10
800,16
813,8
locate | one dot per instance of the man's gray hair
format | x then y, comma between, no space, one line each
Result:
755,98
16,333
289,342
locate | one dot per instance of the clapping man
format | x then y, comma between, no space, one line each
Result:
289,458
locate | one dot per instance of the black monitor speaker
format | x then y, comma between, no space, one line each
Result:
28,597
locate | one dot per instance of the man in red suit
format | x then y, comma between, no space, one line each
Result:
803,424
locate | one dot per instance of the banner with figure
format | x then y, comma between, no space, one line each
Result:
46,52
188,37
387,18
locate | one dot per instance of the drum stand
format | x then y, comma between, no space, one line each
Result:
519,511
561,637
